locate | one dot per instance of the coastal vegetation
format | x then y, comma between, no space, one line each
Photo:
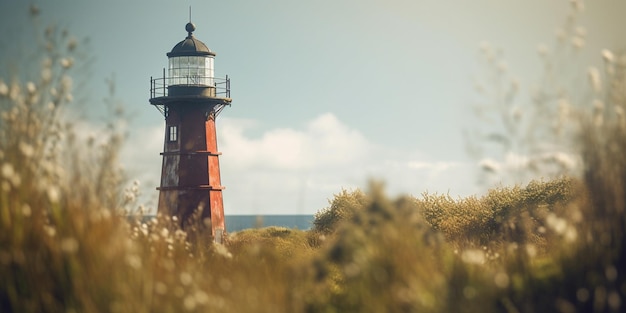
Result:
67,244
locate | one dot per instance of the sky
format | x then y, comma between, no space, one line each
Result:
327,95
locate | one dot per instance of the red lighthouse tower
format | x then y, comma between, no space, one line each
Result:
190,97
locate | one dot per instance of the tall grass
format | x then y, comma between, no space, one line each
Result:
67,245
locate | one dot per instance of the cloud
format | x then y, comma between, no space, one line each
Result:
296,170
324,142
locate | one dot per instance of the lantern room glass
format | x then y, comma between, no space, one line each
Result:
191,70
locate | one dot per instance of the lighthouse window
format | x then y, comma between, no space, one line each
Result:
173,133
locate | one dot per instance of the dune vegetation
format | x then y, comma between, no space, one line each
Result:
68,245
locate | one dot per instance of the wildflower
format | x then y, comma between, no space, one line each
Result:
26,210
185,278
7,170
594,79
4,89
66,62
201,297
53,194
69,245
50,231
26,149
614,301
133,261
578,5
189,302
221,250
501,280
556,223
473,256
570,234
490,165
608,56
30,87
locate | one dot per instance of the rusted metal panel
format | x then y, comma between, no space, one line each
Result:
190,178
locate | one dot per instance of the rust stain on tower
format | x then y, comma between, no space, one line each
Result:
190,97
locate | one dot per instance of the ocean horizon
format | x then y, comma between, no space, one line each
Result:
236,223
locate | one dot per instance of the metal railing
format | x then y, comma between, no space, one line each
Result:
159,86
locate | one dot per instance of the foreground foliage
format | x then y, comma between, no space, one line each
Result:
67,244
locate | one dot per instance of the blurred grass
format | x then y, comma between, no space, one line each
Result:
67,244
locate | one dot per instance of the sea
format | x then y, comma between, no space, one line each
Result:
236,223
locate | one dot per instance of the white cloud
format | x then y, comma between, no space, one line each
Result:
296,170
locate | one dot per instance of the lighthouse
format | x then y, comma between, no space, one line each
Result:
190,98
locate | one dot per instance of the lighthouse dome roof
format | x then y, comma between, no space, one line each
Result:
190,46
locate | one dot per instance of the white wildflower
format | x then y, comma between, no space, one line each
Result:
531,250
7,170
201,297
4,89
69,245
50,231
53,194
26,210
66,62
556,223
221,250
570,234
26,149
501,280
581,31
185,278
134,261
473,256
490,165
30,87
578,5
189,303
594,78
608,56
